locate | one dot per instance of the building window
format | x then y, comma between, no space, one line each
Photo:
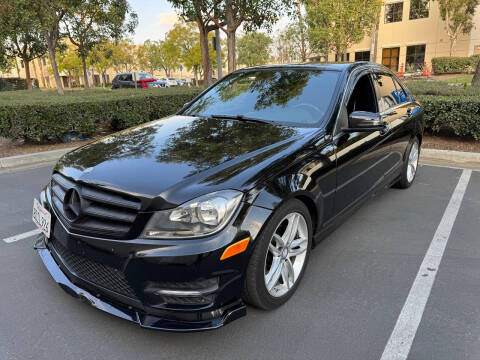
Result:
393,12
362,56
390,58
415,58
419,9
344,58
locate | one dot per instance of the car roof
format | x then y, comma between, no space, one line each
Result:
342,67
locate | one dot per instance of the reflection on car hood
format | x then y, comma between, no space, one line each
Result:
180,157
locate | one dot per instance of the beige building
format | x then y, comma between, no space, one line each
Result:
412,32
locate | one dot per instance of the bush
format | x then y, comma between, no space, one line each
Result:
47,117
10,84
455,64
457,114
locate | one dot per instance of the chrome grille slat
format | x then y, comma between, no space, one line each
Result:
102,211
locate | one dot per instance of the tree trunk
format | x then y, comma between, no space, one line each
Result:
374,42
303,45
53,63
85,75
195,75
104,82
44,82
35,71
27,73
18,69
452,44
70,79
232,63
476,77
207,67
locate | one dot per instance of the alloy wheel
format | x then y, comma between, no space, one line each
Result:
412,162
286,254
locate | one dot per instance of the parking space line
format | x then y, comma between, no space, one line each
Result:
21,236
401,339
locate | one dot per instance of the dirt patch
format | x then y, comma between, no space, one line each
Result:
450,143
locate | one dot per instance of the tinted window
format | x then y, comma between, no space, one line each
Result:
141,76
128,77
401,95
300,97
387,92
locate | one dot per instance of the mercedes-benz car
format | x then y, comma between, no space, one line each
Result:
178,223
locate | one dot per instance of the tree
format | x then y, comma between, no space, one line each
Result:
101,58
192,11
458,17
334,25
50,13
124,55
254,49
228,15
289,46
21,34
69,62
94,21
185,37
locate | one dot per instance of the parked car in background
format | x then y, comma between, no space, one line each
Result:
181,82
143,80
176,223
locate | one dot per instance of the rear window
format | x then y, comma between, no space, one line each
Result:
298,97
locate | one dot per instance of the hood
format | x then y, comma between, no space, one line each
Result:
181,157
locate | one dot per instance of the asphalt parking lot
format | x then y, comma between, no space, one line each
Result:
361,297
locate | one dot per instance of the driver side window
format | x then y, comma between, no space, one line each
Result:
362,98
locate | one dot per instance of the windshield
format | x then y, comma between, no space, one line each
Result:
299,97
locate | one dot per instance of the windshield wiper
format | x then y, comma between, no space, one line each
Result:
239,117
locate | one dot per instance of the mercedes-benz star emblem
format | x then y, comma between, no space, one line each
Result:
72,205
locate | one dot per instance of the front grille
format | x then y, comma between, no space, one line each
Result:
94,272
100,211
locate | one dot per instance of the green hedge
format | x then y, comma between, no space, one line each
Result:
10,84
455,64
42,117
457,114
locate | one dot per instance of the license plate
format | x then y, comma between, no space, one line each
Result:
41,217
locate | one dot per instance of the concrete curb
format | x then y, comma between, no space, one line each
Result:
457,156
19,161
447,157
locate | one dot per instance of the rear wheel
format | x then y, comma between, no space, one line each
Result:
409,169
280,256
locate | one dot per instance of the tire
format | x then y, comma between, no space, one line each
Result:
406,179
263,263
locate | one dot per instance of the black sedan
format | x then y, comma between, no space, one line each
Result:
177,223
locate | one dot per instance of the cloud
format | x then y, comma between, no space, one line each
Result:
165,21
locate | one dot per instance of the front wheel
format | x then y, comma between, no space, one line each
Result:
280,256
410,165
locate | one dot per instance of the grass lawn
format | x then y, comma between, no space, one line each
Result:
95,94
460,79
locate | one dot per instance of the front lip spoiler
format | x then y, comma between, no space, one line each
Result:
231,313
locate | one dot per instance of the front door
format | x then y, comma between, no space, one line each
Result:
360,155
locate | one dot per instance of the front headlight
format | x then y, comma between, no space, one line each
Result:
202,216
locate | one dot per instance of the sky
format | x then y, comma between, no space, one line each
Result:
156,17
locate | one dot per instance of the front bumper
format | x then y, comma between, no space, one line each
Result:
228,314
128,278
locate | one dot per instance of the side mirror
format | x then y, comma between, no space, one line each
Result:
363,121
